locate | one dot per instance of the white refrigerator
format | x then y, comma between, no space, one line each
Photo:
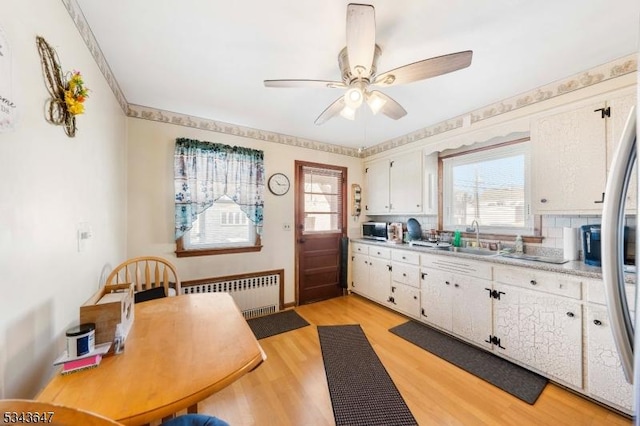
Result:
624,326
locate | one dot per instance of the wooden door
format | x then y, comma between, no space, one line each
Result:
321,220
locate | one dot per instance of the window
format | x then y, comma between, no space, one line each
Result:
221,225
322,199
490,185
218,198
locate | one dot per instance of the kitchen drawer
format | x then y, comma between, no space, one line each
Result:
405,256
382,252
595,292
359,248
548,282
405,274
458,266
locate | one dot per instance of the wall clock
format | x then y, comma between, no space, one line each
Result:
278,184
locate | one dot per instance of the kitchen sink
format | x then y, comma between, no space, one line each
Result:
474,250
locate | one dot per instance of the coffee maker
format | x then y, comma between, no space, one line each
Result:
591,244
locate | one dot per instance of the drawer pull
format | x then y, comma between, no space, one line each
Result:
533,282
404,275
447,283
597,322
571,314
456,285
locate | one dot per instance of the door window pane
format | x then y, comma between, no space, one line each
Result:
322,200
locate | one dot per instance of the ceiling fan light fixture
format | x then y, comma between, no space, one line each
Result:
353,98
348,113
375,102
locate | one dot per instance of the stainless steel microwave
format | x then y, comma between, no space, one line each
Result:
374,230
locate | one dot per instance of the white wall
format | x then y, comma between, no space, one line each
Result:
49,183
151,194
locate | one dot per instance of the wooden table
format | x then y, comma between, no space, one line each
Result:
180,350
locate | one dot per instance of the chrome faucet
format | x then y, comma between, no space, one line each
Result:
475,227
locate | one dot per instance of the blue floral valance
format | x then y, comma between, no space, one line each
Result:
206,171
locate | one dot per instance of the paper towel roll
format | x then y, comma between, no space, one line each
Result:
571,242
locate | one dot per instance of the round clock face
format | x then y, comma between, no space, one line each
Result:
278,184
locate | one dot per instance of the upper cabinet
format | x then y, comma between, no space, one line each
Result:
571,153
401,184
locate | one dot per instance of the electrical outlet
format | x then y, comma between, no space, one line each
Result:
286,227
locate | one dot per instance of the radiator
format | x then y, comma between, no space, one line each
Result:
255,294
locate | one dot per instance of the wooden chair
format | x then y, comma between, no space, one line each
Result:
48,413
146,272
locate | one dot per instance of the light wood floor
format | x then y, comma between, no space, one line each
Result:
290,387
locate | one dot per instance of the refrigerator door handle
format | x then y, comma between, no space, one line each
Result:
612,245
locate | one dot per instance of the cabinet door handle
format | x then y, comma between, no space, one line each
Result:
533,282
447,283
601,201
543,200
404,275
597,322
571,314
456,285
415,297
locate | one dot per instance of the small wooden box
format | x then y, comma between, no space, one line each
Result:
111,305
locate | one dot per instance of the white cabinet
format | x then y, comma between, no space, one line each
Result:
570,153
370,271
377,187
404,295
456,297
538,321
394,185
605,377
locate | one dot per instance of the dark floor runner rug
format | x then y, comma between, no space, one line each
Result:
362,392
280,322
511,378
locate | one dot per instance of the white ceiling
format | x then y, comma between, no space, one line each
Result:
208,58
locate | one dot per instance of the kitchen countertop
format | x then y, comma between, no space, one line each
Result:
574,267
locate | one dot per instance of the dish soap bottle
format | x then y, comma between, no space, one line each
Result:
456,238
519,248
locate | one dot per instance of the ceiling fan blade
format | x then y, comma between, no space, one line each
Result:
305,83
361,38
331,111
391,108
425,69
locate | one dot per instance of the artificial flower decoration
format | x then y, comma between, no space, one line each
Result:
67,92
75,94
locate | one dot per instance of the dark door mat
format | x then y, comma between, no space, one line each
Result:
362,392
280,322
511,378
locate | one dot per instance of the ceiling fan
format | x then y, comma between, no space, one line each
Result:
357,62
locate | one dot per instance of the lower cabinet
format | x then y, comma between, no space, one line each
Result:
538,321
605,378
405,282
405,299
371,272
458,303
540,330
